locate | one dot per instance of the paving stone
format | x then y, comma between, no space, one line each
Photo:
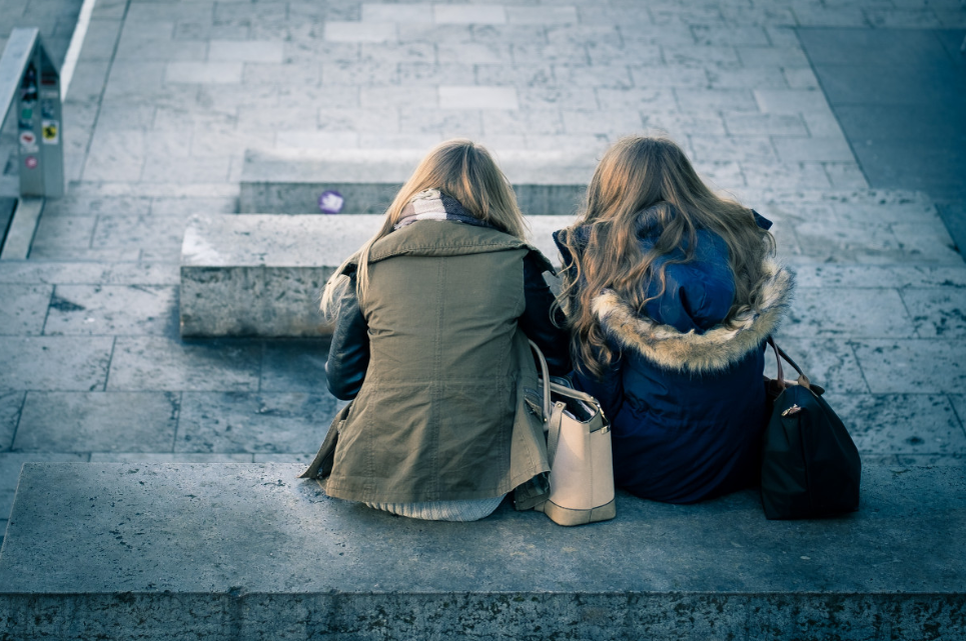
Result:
203,72
844,312
115,155
103,310
613,52
132,49
98,422
700,56
756,149
913,366
10,406
668,76
649,101
813,149
474,52
451,123
845,176
830,363
54,363
912,277
680,126
703,100
476,97
168,457
730,34
384,97
937,313
172,169
469,14
336,31
245,51
541,15
791,101
615,123
294,366
415,73
905,424
560,54
523,76
528,121
254,423
416,13
850,242
64,231
343,72
765,124
41,272
155,363
24,309
42,252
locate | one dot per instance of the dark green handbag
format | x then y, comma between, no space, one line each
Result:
810,466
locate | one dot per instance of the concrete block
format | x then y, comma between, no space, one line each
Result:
546,183
99,550
98,421
24,309
54,363
171,365
260,275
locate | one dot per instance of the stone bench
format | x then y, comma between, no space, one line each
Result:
261,275
290,181
245,552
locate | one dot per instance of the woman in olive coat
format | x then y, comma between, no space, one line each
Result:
432,317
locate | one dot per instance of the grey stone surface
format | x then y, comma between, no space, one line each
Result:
113,310
254,423
314,565
54,363
903,366
24,309
156,363
294,366
10,407
97,422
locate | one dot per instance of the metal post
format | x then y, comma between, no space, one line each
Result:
29,80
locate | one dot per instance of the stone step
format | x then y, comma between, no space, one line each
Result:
250,552
261,274
290,181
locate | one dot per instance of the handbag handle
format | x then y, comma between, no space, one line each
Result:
779,355
556,387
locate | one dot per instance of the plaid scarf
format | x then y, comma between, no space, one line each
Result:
432,204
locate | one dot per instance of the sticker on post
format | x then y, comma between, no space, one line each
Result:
51,132
47,109
28,142
31,162
330,202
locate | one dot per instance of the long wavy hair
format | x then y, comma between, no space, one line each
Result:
647,183
459,168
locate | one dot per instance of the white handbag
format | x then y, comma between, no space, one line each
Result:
579,452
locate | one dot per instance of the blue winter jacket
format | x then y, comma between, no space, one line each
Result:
685,394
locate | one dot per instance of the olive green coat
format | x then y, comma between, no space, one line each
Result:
441,412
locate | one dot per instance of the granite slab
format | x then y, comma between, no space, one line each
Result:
248,551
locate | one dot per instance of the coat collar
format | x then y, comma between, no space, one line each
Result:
715,349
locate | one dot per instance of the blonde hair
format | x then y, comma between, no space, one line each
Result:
459,168
647,182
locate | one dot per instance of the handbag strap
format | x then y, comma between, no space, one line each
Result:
545,377
779,355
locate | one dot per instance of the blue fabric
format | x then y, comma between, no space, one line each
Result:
680,437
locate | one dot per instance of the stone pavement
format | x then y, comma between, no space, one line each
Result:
168,95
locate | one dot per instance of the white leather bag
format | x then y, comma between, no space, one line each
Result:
579,452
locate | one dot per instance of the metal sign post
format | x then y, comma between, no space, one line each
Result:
30,82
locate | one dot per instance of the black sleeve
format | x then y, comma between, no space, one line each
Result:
537,323
345,369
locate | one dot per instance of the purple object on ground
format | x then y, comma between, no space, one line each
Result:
330,202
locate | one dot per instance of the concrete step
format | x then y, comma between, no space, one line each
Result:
261,275
250,552
290,181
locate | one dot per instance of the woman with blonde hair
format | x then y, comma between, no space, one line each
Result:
432,317
670,292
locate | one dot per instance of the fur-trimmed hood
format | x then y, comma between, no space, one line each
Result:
714,350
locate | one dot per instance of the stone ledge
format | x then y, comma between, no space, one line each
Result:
261,274
247,551
290,181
